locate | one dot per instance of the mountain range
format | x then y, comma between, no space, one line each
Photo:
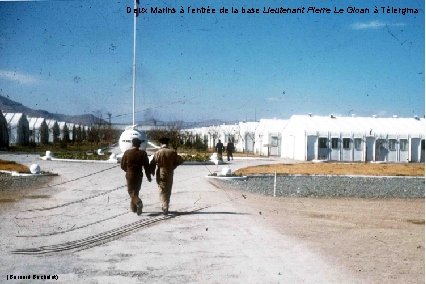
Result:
8,105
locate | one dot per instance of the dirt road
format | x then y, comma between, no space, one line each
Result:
379,240
79,228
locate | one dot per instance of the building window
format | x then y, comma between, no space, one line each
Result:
323,143
358,144
274,141
334,143
346,143
392,144
403,144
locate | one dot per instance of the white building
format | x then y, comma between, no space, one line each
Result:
268,137
247,136
242,134
308,137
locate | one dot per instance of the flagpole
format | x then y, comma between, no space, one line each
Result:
134,60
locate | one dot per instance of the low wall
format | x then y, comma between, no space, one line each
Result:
334,186
16,183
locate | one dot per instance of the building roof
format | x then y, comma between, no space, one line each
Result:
62,124
50,123
13,118
35,122
357,125
271,125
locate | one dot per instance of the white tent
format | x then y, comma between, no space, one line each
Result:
50,123
18,128
70,128
308,137
62,125
34,127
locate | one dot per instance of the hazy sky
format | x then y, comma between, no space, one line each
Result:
75,57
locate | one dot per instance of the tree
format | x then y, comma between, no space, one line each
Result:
78,135
4,135
213,132
93,135
199,144
23,133
83,134
74,133
173,133
44,133
66,137
56,132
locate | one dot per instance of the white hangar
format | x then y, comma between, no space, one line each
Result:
365,139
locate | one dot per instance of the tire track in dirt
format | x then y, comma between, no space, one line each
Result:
103,237
81,177
73,228
77,201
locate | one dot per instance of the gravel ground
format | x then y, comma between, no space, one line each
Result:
12,183
334,186
79,228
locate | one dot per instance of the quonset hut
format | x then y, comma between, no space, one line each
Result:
364,139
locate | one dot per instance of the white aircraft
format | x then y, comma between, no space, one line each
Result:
128,134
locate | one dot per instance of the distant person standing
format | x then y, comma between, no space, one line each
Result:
230,148
166,161
132,162
219,148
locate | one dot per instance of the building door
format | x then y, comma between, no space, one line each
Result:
422,155
415,150
381,150
310,147
335,149
274,143
323,148
369,149
249,142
